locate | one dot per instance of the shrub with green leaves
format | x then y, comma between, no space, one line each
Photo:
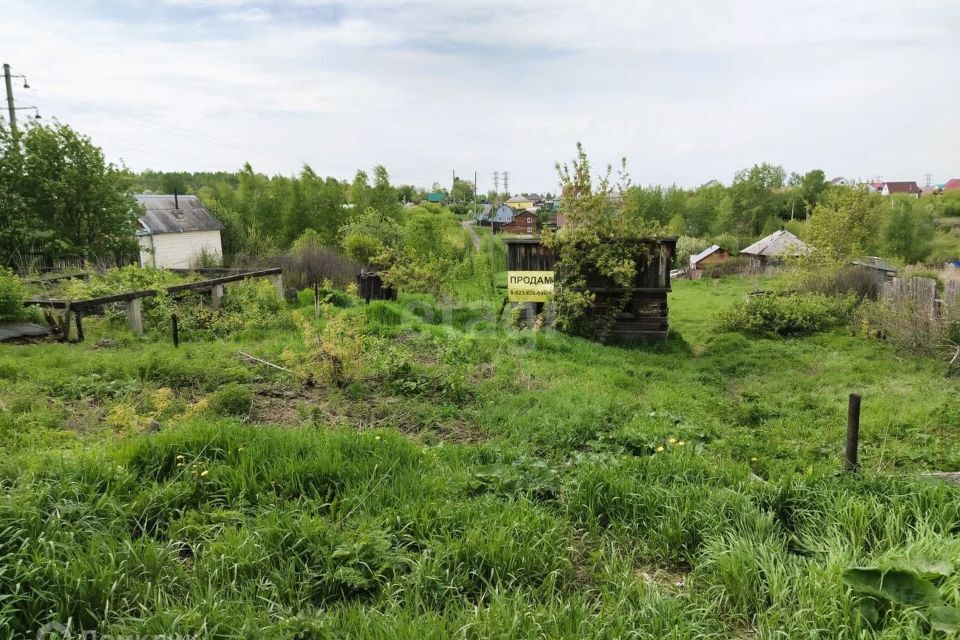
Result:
787,315
232,400
12,294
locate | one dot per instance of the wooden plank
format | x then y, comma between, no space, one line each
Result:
203,285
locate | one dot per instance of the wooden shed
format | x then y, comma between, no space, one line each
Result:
645,314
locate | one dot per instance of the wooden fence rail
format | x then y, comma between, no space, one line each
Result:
132,298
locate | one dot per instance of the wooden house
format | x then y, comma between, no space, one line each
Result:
175,231
776,247
523,223
713,254
645,312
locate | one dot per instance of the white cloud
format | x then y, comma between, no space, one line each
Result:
687,90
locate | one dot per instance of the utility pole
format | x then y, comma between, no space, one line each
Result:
453,186
506,183
13,111
476,196
929,180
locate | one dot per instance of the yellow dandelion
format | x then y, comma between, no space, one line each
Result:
180,457
179,464
672,440
377,438
203,473
753,459
660,448
681,443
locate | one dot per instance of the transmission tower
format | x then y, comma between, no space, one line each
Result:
506,182
929,177
496,182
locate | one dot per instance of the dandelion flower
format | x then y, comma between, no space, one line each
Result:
377,438
180,457
681,443
672,440
660,448
203,473
753,459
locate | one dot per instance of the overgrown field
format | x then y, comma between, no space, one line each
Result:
416,471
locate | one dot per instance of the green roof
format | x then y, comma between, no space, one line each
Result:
436,196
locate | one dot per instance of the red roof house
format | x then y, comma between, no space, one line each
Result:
908,188
951,185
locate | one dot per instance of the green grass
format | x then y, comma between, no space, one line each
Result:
463,479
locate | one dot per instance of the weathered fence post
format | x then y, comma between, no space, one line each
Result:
853,431
278,283
316,299
135,316
79,318
175,325
216,296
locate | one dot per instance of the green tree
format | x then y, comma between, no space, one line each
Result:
846,224
757,197
462,190
812,186
59,195
909,231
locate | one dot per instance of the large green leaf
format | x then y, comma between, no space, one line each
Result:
923,565
902,587
946,619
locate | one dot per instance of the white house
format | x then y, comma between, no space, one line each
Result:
175,231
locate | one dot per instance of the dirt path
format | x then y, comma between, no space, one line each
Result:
468,225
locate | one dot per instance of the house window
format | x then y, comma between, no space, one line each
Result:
529,229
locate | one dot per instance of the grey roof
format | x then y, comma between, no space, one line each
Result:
703,254
517,199
874,262
162,216
485,212
778,244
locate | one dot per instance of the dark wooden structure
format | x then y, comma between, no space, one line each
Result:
645,309
370,287
523,223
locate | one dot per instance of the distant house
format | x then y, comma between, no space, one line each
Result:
523,223
777,246
436,196
483,215
519,202
711,255
175,231
951,185
907,188
711,183
840,181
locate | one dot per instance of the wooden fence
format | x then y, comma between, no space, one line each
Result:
921,294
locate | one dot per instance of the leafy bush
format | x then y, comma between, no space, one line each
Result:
834,280
309,262
12,294
787,315
233,399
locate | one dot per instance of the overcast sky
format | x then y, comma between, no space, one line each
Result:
687,90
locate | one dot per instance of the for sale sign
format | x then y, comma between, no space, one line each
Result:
529,286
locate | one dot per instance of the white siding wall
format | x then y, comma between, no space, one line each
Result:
179,250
